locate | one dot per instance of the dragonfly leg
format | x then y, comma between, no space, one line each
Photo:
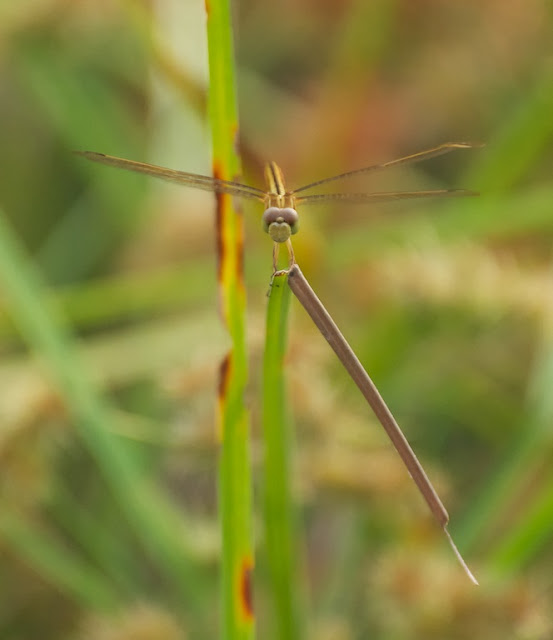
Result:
291,256
276,247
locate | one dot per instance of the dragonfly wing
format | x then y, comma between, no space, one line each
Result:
197,181
415,157
368,198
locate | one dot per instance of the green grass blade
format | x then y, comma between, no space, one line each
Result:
469,219
55,564
94,538
191,92
156,522
234,466
515,547
72,108
519,141
279,515
527,540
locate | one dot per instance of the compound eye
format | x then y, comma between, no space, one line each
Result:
270,215
294,228
281,216
289,216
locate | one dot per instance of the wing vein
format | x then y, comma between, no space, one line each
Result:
415,157
206,183
390,196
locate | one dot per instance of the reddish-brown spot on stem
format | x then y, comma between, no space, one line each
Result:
224,376
246,592
224,380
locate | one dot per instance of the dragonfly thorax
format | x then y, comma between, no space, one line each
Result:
280,223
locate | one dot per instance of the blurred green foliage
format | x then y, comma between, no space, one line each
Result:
447,304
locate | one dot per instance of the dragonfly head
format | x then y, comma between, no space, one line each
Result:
280,223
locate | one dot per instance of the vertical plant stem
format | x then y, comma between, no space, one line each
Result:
279,516
234,465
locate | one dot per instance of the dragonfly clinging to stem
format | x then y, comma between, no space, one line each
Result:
280,218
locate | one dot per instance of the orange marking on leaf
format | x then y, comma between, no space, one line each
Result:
224,380
245,594
224,375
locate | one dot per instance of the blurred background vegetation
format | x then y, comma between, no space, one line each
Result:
449,305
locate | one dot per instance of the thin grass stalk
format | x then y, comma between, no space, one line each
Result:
74,577
529,536
110,553
235,499
519,141
158,525
518,544
55,85
153,41
280,534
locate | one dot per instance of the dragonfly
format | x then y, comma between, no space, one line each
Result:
280,217
281,221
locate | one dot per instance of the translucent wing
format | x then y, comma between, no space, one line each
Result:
206,183
415,157
368,198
